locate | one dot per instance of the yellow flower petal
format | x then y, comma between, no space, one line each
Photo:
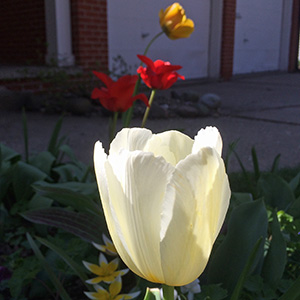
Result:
93,268
115,287
174,22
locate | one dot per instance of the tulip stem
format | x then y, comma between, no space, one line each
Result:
148,108
168,292
112,127
128,114
151,42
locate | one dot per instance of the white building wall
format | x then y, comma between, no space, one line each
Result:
132,23
257,35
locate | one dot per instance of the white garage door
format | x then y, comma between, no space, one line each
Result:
132,23
257,35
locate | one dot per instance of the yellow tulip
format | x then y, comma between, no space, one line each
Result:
174,22
165,197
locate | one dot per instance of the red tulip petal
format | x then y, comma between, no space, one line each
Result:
124,87
147,61
97,93
167,68
141,97
104,78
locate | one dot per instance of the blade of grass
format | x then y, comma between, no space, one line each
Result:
236,293
52,146
231,147
57,284
77,269
25,134
275,163
255,164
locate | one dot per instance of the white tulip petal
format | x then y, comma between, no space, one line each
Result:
208,137
172,145
109,186
202,197
147,178
130,139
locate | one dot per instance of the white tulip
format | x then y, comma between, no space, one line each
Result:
165,197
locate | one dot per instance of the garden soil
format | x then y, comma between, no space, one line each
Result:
261,111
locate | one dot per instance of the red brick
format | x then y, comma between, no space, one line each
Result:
227,48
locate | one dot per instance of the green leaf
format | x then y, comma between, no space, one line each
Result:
25,132
275,260
255,163
87,226
240,198
294,209
43,161
275,165
152,294
293,292
212,291
38,201
54,143
66,149
276,191
78,269
57,284
24,175
8,154
248,222
239,286
294,183
75,195
75,171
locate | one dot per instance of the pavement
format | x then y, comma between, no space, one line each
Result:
261,111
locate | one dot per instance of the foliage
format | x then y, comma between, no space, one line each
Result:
268,211
47,182
51,212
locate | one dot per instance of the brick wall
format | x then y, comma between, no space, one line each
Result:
227,48
294,41
22,32
89,33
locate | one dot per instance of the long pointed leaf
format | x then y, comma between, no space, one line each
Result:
59,287
84,225
275,260
239,286
276,191
77,269
53,143
248,222
65,196
25,133
293,292
255,163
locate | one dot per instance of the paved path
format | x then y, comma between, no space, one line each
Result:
261,111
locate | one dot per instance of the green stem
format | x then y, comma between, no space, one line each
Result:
128,114
148,108
168,292
151,42
113,125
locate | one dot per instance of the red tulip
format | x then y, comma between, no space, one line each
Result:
117,95
158,74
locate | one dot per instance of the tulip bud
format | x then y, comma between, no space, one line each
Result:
174,22
165,197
